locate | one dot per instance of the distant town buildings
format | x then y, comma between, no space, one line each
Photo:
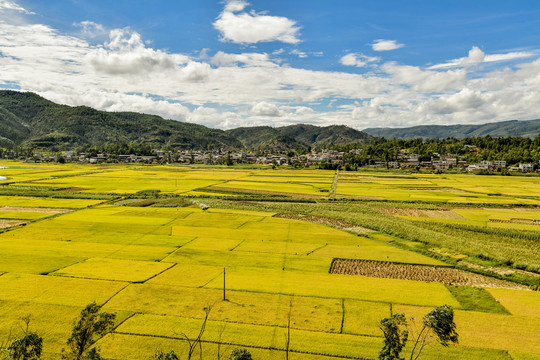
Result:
401,160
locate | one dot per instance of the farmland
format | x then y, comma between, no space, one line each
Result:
151,243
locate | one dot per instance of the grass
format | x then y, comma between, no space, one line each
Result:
477,299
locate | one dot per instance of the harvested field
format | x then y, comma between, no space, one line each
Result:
436,214
442,275
345,225
36,210
9,223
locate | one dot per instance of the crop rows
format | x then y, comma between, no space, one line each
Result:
447,276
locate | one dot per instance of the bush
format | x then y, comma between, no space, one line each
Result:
240,354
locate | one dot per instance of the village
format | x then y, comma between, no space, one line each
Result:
314,158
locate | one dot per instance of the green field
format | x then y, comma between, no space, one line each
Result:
158,266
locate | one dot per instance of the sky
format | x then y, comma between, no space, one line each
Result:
227,64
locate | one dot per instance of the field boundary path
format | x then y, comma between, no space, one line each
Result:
333,189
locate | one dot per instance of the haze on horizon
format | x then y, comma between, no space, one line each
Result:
238,63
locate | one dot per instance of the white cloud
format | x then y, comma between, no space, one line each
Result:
250,28
386,45
298,53
11,5
304,110
477,56
264,108
196,71
425,81
126,54
126,74
90,29
358,60
248,59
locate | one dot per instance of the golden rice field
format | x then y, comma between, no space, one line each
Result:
158,267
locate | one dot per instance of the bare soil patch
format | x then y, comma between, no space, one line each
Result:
34,210
447,276
345,225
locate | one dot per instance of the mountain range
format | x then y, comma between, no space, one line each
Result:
524,128
27,119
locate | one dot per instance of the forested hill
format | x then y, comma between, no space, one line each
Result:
524,128
294,136
27,119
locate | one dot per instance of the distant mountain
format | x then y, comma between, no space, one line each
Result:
293,136
524,128
28,119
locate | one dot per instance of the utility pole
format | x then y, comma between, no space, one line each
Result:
224,297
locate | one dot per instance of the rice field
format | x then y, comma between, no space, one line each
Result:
158,267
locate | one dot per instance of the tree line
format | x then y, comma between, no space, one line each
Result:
513,150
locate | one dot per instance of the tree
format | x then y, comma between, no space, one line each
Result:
91,325
437,325
28,347
395,337
194,343
239,354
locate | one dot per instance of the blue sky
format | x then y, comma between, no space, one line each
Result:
243,63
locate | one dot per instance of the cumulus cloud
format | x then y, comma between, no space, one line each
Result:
196,71
229,90
125,53
358,60
425,80
238,26
264,108
477,56
386,45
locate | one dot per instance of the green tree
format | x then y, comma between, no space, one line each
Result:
438,325
240,354
91,325
395,337
27,347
